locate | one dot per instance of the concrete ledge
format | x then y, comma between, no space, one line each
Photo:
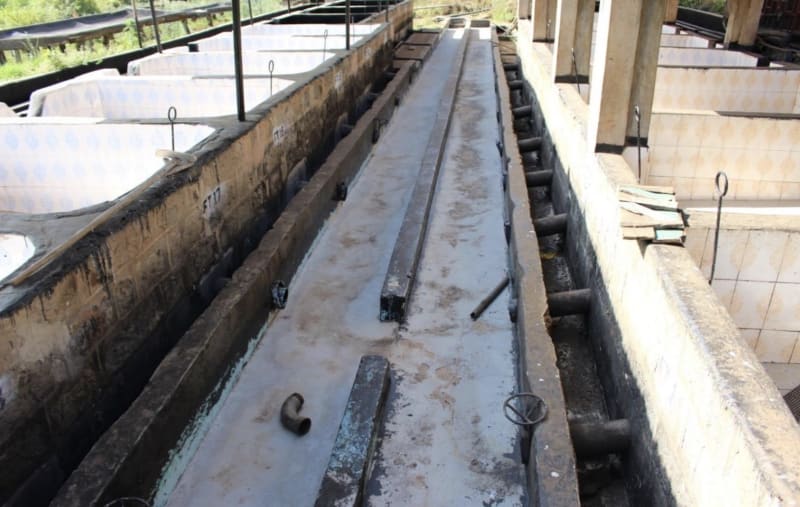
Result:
552,479
127,459
709,427
345,478
402,269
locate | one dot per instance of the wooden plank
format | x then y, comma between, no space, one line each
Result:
663,218
671,236
638,233
656,204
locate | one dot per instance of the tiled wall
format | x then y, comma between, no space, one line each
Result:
764,90
761,156
149,97
47,168
220,63
698,57
757,277
684,41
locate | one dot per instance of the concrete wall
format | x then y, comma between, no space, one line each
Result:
710,427
80,337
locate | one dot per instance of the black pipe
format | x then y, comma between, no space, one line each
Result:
347,24
569,302
516,84
522,111
510,66
553,224
539,178
598,438
136,22
483,305
155,26
529,143
290,418
237,58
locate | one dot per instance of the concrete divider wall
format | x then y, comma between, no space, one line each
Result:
79,336
709,426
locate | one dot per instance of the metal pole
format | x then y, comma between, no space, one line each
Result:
155,26
237,58
722,191
136,22
347,24
250,8
387,10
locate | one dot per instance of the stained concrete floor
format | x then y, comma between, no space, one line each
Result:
445,440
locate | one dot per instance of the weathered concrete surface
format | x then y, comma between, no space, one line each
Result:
720,432
452,374
135,453
80,337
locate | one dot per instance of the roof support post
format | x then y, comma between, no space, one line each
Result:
624,71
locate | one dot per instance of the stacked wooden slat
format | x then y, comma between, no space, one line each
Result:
650,213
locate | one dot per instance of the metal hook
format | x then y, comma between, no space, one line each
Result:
637,115
721,191
172,114
271,68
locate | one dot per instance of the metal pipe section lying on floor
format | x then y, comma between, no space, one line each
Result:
290,417
483,305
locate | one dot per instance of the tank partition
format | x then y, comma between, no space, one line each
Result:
772,90
147,447
59,167
686,41
701,57
308,29
756,277
15,251
708,425
220,63
138,272
224,42
759,154
150,97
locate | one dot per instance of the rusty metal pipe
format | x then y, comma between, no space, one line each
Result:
483,305
290,417
529,144
540,178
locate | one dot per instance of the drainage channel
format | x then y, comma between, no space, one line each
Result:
599,442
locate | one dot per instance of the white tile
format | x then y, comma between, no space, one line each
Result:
750,303
762,257
729,255
695,243
776,346
790,264
724,290
750,337
784,310
785,376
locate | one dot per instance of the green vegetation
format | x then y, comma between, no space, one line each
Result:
41,60
717,6
428,13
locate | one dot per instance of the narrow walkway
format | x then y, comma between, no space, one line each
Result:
445,441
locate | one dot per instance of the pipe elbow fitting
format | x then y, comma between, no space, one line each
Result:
290,417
